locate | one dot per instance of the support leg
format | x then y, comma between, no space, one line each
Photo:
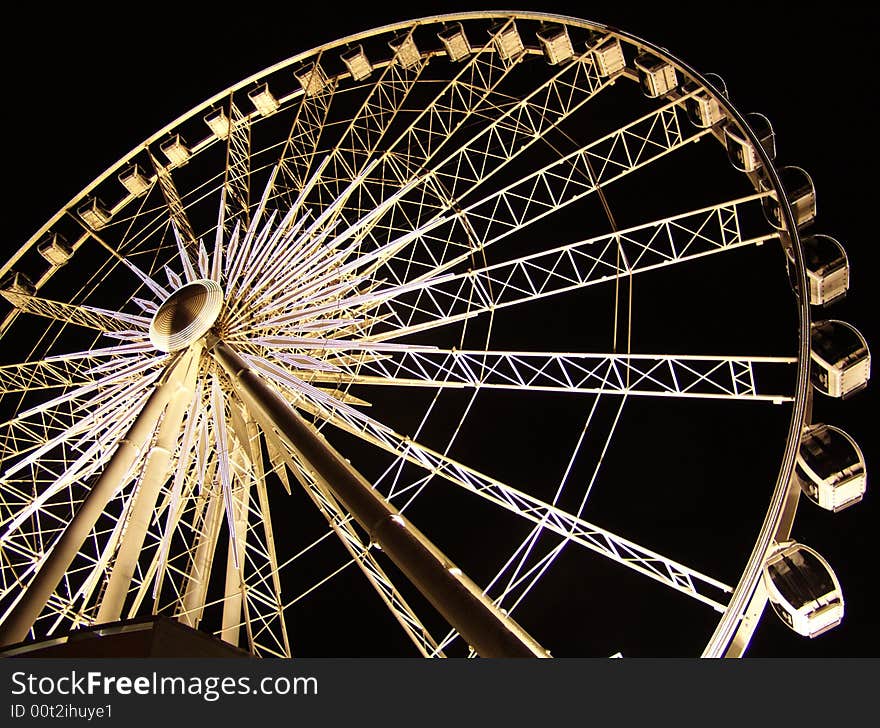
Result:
454,595
155,473
25,611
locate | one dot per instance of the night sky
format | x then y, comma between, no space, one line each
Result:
86,87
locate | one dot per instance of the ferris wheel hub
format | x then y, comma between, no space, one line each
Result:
186,315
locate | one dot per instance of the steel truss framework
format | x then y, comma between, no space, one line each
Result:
401,214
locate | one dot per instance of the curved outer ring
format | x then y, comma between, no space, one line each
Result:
738,622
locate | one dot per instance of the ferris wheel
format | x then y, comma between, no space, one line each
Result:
435,329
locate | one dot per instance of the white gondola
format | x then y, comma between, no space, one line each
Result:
830,468
840,360
609,57
312,78
803,589
175,150
656,76
218,123
263,100
357,63
704,110
55,249
406,52
801,194
15,286
93,213
827,269
557,43
507,40
134,179
455,42
740,149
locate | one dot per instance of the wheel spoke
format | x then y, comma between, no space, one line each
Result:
519,580
308,126
78,458
711,377
237,175
63,370
531,198
553,187
468,91
616,548
447,298
264,519
515,127
443,183
471,90
119,325
193,598
365,133
362,555
176,210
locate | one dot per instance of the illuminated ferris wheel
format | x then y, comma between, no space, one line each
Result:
411,306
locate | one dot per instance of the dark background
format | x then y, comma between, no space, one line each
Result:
83,86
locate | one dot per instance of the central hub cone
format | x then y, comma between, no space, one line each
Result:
186,315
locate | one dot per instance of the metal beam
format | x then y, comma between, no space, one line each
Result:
456,597
21,617
144,504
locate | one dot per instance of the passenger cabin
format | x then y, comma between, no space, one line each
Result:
93,213
704,109
218,123
840,361
175,150
15,286
507,40
827,269
134,179
656,76
803,589
830,468
406,52
801,195
263,100
55,249
357,63
743,154
455,42
609,57
311,77
557,43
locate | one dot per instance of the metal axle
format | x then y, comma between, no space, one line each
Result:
461,602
